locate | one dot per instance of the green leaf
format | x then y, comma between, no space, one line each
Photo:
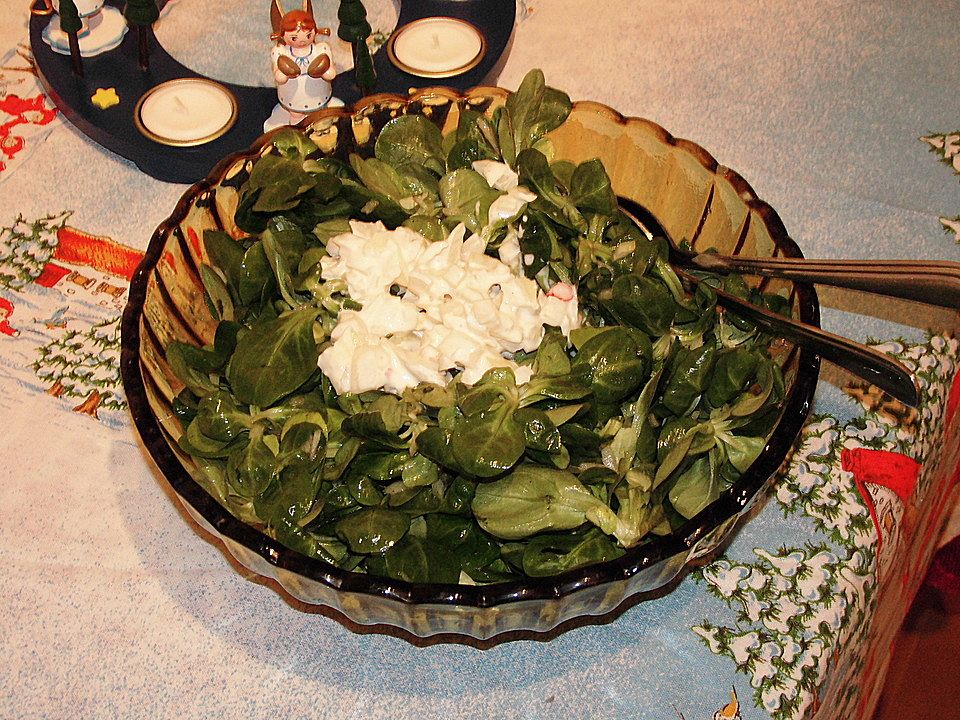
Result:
219,418
742,451
563,171
293,144
479,398
505,136
193,367
532,499
637,516
674,443
196,443
590,188
257,281
734,368
278,183
381,466
457,499
687,378
754,398
583,443
617,361
381,178
307,543
275,358
551,358
643,303
539,432
251,470
461,537
420,560
465,152
287,239
430,227
436,444
303,437
411,139
467,198
372,529
419,471
564,413
558,552
371,426
291,498
539,240
534,110
225,254
696,488
579,336
535,173
488,443
363,490
328,229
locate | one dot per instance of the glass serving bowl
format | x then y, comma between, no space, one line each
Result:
675,181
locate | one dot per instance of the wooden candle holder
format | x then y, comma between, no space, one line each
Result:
115,127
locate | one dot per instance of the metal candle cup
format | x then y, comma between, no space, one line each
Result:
437,47
186,112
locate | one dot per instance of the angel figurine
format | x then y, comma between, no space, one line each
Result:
301,64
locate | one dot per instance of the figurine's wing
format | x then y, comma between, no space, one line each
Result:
308,7
276,16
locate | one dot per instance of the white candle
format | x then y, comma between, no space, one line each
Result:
436,47
187,111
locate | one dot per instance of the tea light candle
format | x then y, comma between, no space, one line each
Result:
186,112
437,47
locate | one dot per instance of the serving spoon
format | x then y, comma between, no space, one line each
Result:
881,370
933,283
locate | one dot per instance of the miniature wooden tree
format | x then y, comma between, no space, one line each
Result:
142,14
355,29
70,23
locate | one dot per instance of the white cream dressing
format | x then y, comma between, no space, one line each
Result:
457,309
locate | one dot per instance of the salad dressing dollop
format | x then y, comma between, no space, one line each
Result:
432,308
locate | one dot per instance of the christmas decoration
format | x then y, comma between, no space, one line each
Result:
105,98
84,365
355,29
26,247
791,608
947,148
302,66
70,23
142,14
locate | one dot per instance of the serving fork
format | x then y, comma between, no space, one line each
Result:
934,283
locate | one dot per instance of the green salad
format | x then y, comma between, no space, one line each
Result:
561,452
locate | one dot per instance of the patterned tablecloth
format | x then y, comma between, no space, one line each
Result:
842,115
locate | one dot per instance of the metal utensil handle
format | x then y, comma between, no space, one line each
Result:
874,367
939,267
934,285
881,370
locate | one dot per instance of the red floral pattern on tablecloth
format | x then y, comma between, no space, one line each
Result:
26,114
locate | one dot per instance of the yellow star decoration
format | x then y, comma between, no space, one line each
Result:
105,98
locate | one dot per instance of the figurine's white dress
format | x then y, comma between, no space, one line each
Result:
303,94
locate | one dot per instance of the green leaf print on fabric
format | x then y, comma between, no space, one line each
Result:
947,148
26,247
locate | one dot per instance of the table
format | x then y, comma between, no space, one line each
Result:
843,116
